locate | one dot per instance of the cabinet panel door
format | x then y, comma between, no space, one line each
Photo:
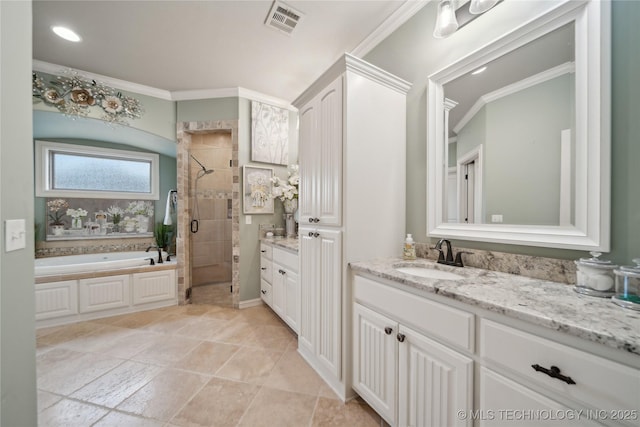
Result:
103,293
434,383
292,300
278,291
308,278
330,177
505,402
309,162
375,358
329,302
154,286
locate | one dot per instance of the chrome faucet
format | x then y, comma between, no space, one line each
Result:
448,259
159,252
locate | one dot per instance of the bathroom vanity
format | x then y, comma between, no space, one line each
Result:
490,348
279,285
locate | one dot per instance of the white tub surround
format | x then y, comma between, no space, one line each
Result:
94,262
91,290
490,345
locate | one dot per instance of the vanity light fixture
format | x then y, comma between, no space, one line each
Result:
446,22
66,33
478,71
481,6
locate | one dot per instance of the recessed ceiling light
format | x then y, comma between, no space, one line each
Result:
66,34
478,71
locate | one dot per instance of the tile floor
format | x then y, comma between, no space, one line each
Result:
193,365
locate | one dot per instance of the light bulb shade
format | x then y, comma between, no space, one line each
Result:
481,6
446,22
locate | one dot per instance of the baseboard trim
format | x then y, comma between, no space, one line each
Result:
250,303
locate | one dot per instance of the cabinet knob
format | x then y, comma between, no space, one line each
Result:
311,234
388,330
263,292
316,220
282,272
316,234
263,251
401,337
553,372
263,268
311,219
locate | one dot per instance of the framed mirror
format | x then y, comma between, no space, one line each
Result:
518,135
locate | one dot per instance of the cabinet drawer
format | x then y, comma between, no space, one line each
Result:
266,293
266,250
266,267
438,320
286,259
600,383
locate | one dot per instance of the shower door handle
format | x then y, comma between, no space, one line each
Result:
194,226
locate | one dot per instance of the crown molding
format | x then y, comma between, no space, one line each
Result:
551,73
177,95
392,23
47,67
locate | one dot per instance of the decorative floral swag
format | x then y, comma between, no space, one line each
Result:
74,95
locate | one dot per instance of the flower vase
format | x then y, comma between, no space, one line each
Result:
56,229
290,205
76,223
143,223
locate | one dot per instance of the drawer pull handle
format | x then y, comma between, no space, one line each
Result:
388,330
263,268
282,272
554,372
401,337
263,251
263,292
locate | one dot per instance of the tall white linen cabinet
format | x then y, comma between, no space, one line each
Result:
352,205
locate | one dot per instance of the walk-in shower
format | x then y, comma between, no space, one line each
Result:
210,221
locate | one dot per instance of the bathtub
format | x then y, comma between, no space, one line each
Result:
94,262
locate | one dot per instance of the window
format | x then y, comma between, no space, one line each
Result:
67,170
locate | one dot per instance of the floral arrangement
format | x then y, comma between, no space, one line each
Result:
77,213
57,206
286,189
116,213
73,95
140,207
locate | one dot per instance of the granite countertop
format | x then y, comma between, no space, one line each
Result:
550,304
291,243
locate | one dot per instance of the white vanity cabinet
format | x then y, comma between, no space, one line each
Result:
279,284
408,377
352,201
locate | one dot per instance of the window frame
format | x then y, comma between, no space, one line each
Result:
43,170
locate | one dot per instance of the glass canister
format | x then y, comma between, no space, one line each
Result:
595,277
627,292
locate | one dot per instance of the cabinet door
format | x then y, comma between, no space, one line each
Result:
308,289
320,157
329,300
277,288
505,402
329,180
103,293
434,383
375,358
292,300
309,162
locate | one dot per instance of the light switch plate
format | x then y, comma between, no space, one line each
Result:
15,234
247,219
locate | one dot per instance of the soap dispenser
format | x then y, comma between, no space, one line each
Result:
409,249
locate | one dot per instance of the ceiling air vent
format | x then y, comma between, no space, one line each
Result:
283,18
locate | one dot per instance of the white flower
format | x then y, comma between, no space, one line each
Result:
140,207
286,189
112,104
76,213
115,210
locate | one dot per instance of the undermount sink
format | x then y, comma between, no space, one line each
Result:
429,273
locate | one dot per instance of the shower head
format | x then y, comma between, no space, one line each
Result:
203,172
204,169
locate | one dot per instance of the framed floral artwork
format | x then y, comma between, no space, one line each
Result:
256,190
269,134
